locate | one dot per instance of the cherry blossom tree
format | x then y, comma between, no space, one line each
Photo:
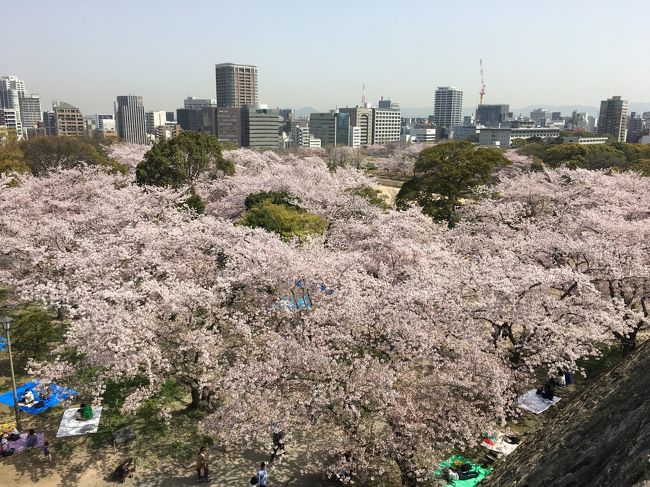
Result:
590,224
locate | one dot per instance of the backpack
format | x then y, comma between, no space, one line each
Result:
253,480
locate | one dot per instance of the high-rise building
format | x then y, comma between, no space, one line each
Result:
10,120
30,111
613,118
153,120
197,119
386,122
635,126
492,115
236,85
69,120
130,119
539,116
229,125
260,127
556,116
49,123
362,117
11,90
334,128
447,106
170,116
191,102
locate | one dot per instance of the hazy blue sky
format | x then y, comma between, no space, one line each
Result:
318,53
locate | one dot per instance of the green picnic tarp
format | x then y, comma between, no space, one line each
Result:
452,461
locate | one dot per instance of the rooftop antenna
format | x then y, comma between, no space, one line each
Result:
482,92
363,95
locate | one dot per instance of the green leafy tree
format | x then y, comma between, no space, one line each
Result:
374,196
642,166
43,154
445,174
35,331
12,158
181,160
194,202
278,212
572,155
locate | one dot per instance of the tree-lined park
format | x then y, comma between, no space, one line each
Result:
205,297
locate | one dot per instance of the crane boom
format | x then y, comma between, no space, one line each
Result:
482,92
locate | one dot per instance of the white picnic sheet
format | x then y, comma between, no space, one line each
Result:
73,427
533,402
500,445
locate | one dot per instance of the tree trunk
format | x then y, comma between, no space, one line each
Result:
409,475
199,399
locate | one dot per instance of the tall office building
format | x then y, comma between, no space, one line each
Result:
613,118
49,123
69,120
131,120
236,85
447,107
101,117
386,122
30,111
635,126
539,116
492,115
228,125
191,102
334,128
260,127
362,117
11,90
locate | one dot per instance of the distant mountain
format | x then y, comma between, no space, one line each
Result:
306,111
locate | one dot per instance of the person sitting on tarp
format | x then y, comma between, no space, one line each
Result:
84,413
464,472
548,391
27,399
5,451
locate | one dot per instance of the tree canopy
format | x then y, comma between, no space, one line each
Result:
181,160
445,174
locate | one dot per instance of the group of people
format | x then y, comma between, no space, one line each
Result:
28,400
261,477
462,472
8,437
562,379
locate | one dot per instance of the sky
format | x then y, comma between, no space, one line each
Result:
320,53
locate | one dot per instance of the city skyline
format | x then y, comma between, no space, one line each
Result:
528,59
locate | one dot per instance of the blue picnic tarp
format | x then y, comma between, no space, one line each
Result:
3,344
58,394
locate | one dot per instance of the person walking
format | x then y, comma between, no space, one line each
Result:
278,447
46,452
202,466
263,476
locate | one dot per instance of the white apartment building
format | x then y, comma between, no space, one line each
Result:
386,125
303,138
448,106
30,111
10,118
355,137
155,119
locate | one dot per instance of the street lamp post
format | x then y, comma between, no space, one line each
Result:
6,321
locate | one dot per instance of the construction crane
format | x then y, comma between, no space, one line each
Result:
482,92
